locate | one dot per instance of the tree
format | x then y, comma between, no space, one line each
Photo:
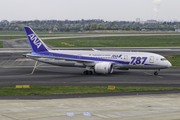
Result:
93,26
78,26
127,28
112,24
71,26
66,29
87,27
66,25
137,28
60,24
100,26
115,27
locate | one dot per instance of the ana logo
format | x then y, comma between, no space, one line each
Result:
116,56
35,40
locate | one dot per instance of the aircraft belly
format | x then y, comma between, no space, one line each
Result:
146,67
140,67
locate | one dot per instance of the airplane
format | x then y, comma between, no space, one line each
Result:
94,61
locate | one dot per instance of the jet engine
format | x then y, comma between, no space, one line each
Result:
104,68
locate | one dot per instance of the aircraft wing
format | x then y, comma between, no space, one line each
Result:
58,58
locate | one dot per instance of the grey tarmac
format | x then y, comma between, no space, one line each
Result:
24,71
134,107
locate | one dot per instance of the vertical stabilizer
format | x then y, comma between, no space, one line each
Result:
37,45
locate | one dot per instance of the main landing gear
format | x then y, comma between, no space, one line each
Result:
88,72
156,72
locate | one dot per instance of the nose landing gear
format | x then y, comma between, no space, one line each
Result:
156,72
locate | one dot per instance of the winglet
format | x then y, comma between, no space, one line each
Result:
37,45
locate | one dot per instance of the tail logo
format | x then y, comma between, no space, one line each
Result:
35,40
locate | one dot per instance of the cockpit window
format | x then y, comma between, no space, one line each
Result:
163,59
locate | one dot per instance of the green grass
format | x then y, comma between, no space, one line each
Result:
129,32
1,44
24,36
51,90
11,32
175,62
21,36
11,37
119,41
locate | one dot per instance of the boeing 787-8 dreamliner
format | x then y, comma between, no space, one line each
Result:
94,61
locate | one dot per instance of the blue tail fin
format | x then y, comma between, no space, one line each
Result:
37,45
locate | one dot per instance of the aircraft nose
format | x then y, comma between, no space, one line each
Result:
169,64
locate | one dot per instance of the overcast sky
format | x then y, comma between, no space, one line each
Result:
108,10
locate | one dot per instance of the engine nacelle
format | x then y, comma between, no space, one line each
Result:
104,68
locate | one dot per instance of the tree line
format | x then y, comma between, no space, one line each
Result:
85,25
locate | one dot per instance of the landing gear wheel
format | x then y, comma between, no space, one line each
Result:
155,73
90,72
85,72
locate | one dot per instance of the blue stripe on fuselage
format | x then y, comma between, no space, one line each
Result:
75,57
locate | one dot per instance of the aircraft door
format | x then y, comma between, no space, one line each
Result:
151,59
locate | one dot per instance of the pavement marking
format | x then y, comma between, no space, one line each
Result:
40,64
24,60
88,114
34,67
153,75
39,114
62,112
70,114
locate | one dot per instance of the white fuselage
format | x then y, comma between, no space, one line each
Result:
121,60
